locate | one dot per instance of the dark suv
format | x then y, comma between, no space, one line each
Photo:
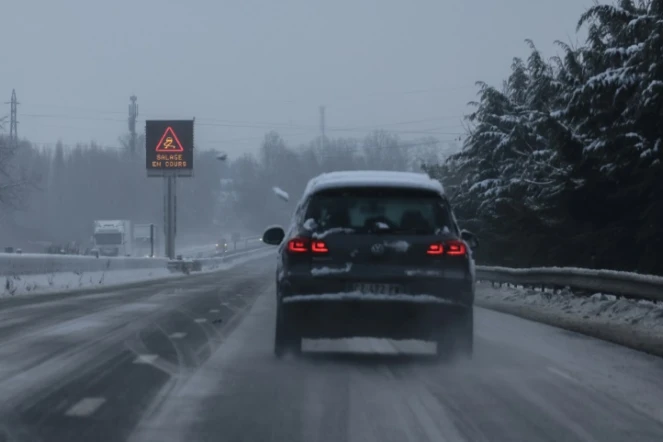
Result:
374,254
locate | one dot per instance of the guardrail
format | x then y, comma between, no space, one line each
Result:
212,250
34,264
632,285
231,256
196,265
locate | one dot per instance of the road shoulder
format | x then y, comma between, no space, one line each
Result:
629,323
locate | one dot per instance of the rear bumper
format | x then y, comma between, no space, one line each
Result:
345,318
457,290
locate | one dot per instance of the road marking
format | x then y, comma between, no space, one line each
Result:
200,320
178,335
214,311
85,407
145,359
560,373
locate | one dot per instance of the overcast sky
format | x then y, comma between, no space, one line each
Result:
244,67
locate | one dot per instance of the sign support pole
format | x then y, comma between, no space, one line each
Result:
171,215
151,240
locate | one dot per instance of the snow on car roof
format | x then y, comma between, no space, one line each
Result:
373,178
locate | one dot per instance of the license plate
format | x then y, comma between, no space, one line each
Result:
377,289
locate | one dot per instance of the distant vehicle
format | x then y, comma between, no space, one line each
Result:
113,237
374,254
222,246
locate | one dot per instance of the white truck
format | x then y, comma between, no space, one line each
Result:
147,240
113,237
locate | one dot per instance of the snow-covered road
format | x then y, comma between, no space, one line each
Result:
191,360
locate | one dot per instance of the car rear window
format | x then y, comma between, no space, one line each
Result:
378,210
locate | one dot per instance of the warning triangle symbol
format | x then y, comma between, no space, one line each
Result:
169,142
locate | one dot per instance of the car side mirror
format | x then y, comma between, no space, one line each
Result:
470,238
273,236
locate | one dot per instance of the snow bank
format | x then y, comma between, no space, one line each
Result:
35,264
612,274
66,281
598,306
59,282
634,323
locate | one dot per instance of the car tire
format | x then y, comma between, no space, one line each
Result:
286,339
457,341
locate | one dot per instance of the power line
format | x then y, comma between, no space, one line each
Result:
360,145
249,125
309,133
286,129
322,127
350,96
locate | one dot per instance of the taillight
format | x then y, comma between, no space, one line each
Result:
319,247
298,245
435,249
450,248
456,248
305,245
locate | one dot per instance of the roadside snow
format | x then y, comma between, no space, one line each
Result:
583,272
17,285
596,307
633,323
64,281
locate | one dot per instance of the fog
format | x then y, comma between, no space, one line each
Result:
394,78
245,67
64,189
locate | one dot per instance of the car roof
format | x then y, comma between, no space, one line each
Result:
373,178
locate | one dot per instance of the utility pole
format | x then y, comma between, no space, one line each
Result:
323,150
322,127
13,121
133,115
